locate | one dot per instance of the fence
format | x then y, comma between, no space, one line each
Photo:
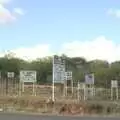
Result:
12,87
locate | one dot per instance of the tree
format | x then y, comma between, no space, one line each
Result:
104,72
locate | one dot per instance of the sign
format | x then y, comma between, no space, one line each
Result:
58,69
10,74
114,83
89,78
68,75
81,85
28,76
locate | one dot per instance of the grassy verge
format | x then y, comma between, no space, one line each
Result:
32,104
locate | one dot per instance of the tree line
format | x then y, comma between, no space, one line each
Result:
103,70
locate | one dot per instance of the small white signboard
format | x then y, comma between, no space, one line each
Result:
114,83
68,75
10,74
89,79
28,76
81,85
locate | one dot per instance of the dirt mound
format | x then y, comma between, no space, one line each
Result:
81,109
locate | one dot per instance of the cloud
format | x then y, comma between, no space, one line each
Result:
98,48
19,11
5,1
32,53
114,12
7,16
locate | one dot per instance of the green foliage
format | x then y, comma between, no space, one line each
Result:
104,72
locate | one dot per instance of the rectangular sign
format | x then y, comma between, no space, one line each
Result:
68,75
81,85
114,83
28,76
10,74
89,78
59,76
58,69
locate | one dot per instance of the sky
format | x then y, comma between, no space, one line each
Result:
39,28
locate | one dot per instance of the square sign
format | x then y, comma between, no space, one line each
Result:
89,79
10,74
68,75
28,76
81,85
114,83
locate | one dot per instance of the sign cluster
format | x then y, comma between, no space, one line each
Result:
25,76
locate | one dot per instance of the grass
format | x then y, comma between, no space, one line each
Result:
39,105
99,104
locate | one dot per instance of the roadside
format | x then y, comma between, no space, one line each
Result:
39,106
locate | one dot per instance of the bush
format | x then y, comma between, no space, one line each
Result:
97,108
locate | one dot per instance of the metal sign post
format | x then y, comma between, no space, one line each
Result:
114,88
19,88
1,83
89,80
34,89
23,90
78,93
65,86
58,73
53,84
68,76
28,77
81,87
10,79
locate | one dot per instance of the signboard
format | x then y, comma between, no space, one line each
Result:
58,69
10,74
28,76
57,77
89,78
114,83
68,75
81,85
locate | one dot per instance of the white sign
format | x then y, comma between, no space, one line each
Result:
114,83
62,76
68,75
10,74
81,85
57,77
58,69
28,76
89,78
